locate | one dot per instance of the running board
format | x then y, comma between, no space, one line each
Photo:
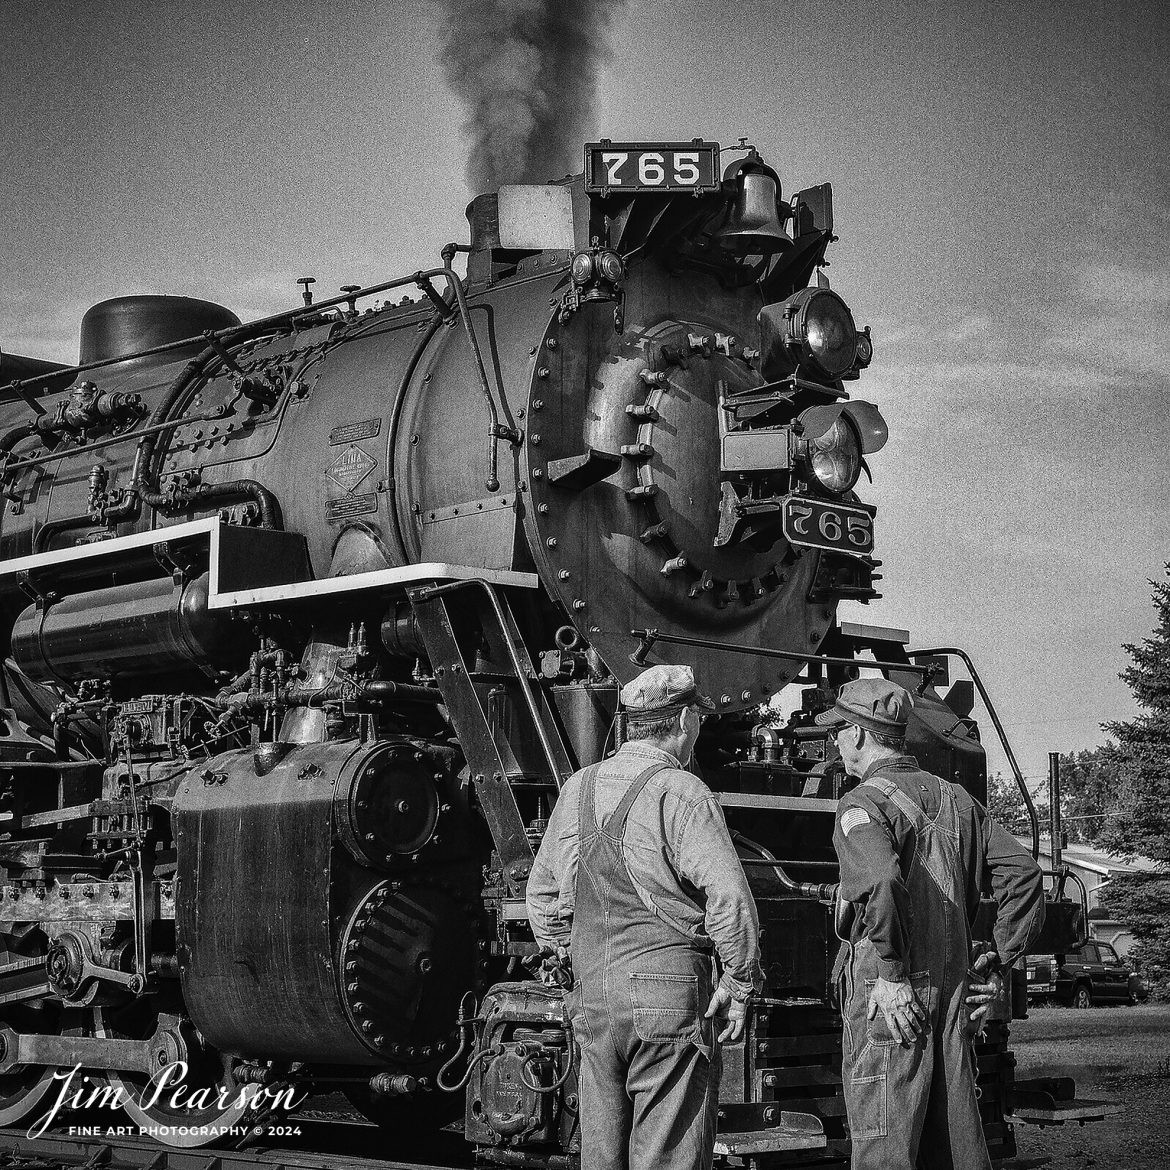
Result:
796,1131
1053,1101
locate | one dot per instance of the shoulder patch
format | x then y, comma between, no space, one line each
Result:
851,818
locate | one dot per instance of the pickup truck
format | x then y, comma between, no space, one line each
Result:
1090,974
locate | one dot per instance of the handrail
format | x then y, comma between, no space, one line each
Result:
421,279
534,712
1033,817
649,637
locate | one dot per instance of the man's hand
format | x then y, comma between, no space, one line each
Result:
899,1005
553,966
725,1006
986,986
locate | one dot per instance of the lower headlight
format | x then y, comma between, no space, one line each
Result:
834,458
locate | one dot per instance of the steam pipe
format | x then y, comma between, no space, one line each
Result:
377,689
1033,817
820,891
9,440
110,441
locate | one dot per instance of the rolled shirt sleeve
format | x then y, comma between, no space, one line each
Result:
1018,888
552,882
872,878
706,857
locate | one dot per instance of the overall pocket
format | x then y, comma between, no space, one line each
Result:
665,1006
866,1093
878,1032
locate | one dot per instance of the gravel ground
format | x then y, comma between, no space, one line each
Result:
1114,1053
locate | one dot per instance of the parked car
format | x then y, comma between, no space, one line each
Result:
1092,974
1041,972
1089,974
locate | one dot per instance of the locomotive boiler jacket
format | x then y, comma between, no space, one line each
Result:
679,856
874,839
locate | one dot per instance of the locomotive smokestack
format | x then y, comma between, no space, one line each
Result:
526,71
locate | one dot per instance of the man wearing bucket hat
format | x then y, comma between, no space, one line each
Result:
638,878
916,854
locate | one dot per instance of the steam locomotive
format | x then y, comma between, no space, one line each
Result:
307,619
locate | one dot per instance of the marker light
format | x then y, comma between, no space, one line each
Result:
864,349
610,267
582,268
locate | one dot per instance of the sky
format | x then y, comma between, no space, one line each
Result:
1001,196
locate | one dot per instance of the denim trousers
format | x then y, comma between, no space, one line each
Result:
649,1072
917,1106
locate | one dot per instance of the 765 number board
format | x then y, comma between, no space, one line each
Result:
819,524
613,167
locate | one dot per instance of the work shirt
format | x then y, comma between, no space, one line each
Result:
679,856
875,844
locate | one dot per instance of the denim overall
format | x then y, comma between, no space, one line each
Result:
917,1104
649,1071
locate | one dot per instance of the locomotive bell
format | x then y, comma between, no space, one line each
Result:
754,226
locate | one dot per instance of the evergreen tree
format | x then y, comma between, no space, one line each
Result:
1138,822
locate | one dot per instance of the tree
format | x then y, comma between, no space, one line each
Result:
1089,781
1007,807
1141,901
1138,819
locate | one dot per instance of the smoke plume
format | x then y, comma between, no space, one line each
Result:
526,72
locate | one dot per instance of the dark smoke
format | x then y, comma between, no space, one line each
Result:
526,72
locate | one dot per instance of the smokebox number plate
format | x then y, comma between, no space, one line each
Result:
611,167
817,524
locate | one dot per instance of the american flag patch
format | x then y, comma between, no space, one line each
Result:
851,818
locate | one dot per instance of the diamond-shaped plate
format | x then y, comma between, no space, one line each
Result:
350,468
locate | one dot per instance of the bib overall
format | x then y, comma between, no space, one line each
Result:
917,1105
649,1072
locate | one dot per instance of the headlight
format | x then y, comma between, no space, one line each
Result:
822,330
834,458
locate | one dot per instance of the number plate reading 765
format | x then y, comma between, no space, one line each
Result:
816,524
611,167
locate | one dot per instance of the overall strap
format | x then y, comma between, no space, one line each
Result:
886,787
948,811
586,817
615,826
913,811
